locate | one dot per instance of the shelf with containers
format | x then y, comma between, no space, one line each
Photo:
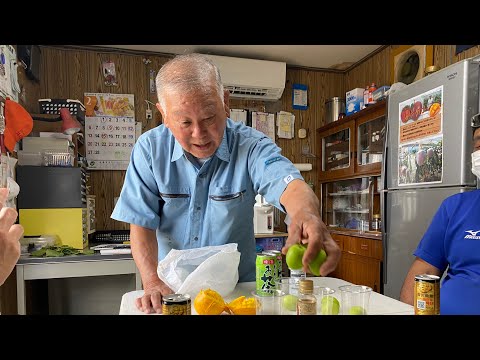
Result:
353,145
350,158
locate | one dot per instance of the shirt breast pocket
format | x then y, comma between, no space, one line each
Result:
175,200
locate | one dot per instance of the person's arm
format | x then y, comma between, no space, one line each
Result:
10,234
144,247
418,267
306,226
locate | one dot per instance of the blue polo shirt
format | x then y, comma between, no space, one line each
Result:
191,205
453,240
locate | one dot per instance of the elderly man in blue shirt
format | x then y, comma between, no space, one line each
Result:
192,181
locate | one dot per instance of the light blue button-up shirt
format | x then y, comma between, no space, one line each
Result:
191,205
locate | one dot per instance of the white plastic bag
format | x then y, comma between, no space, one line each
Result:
210,267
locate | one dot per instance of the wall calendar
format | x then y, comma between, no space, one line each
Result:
109,130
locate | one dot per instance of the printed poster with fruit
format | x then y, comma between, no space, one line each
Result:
420,157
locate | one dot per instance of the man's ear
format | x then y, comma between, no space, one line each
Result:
226,102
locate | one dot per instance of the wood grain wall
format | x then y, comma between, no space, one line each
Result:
70,72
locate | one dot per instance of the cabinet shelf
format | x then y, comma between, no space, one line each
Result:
363,211
348,193
338,146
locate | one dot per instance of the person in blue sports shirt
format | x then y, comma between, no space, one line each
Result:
191,182
452,243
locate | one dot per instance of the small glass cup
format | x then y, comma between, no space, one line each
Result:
355,299
327,302
269,304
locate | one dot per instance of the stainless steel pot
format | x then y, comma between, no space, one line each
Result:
333,108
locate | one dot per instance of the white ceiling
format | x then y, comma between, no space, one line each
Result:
311,56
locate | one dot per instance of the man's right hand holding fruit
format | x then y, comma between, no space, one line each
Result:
306,227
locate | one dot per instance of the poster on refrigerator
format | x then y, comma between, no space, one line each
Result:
109,130
420,155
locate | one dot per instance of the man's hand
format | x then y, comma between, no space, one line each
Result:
10,234
310,230
307,227
151,301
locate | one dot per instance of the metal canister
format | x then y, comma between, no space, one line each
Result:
176,304
265,271
427,295
278,264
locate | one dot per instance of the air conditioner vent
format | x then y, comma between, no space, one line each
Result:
250,78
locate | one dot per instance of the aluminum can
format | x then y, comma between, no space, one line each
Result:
266,273
427,295
176,304
278,264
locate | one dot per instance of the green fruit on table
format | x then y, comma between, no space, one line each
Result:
357,310
290,302
294,256
330,306
314,266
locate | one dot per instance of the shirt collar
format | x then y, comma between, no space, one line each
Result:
222,152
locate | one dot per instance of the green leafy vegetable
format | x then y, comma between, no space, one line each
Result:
62,250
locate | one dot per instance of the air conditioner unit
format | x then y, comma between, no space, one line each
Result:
250,78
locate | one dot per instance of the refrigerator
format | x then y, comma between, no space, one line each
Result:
427,156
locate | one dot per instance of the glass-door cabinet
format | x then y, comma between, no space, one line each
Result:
351,204
337,146
369,144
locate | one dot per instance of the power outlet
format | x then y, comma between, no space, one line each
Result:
148,114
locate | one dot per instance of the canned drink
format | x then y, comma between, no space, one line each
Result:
176,304
427,295
266,273
278,264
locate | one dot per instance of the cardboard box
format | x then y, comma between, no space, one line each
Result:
354,101
270,243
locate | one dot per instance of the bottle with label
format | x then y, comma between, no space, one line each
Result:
371,89
365,97
376,222
307,302
296,276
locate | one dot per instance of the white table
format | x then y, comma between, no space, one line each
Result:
379,304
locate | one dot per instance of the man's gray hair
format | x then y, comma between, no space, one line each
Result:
187,73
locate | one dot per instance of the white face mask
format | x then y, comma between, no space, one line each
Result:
476,163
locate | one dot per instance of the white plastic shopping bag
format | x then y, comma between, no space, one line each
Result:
210,267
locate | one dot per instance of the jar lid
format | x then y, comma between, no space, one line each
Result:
306,286
335,99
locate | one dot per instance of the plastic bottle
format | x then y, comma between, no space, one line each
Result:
365,97
296,276
371,89
307,302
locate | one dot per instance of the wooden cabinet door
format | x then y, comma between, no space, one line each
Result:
336,148
361,270
369,141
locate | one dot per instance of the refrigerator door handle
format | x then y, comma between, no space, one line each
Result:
383,216
385,152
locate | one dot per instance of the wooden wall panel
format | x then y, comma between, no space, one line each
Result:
374,69
70,72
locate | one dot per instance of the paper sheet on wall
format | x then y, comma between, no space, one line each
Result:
285,125
239,115
8,72
264,122
110,130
